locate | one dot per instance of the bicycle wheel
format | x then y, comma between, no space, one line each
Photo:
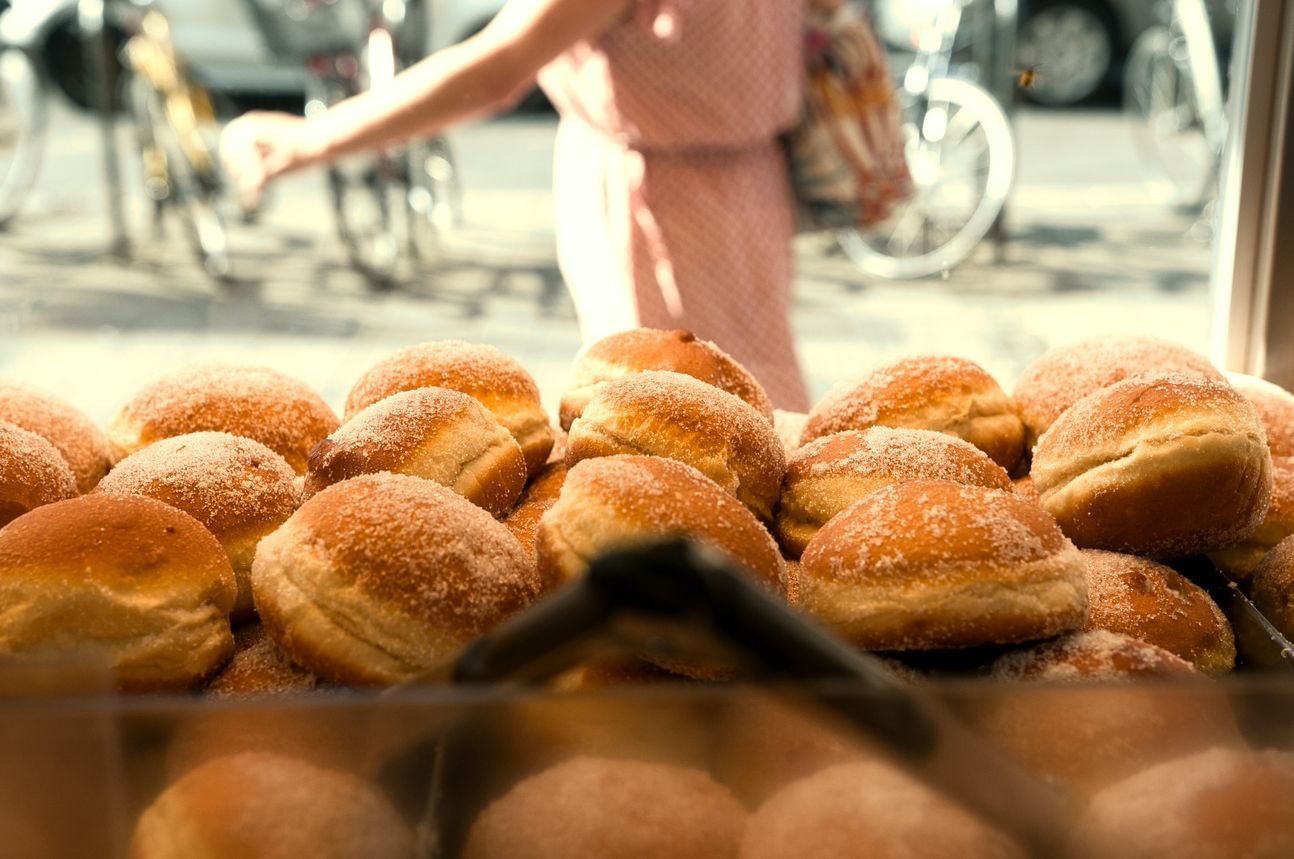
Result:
1158,95
367,202
23,113
175,179
962,160
434,198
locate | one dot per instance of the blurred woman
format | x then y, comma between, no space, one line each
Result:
673,204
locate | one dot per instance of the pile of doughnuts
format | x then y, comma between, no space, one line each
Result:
229,533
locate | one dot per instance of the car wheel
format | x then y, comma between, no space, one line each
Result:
1071,45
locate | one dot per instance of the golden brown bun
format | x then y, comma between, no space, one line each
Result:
32,473
597,808
255,402
433,433
615,502
265,805
381,577
259,667
828,474
645,349
1163,466
239,489
1273,587
1275,407
933,392
79,439
1239,560
1160,606
132,578
1023,486
789,426
500,383
1066,374
868,809
1104,707
540,495
934,564
1216,804
675,416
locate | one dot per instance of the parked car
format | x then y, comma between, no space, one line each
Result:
1077,46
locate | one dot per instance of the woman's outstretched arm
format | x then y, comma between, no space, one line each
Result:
485,73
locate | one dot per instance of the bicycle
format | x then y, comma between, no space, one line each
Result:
961,154
42,49
1173,89
389,206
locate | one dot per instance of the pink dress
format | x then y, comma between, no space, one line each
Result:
673,204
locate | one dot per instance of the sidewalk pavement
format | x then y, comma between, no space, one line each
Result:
1084,257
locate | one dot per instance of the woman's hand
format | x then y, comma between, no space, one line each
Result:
260,146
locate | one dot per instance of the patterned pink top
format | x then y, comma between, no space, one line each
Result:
673,204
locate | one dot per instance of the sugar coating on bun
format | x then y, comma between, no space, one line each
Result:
1273,587
596,808
239,490
829,473
494,378
433,433
677,417
262,804
935,392
936,564
789,426
1158,605
79,439
616,502
262,404
379,578
644,349
129,577
1065,374
1215,803
1162,466
1091,654
1239,560
1275,407
260,667
868,809
32,473
523,520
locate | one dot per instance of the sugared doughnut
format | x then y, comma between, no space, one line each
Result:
596,808
868,810
933,392
500,383
934,564
828,474
644,349
1240,559
239,489
266,805
1163,466
255,402
1023,486
789,426
130,578
614,502
1065,374
260,667
1275,407
1100,706
1215,804
1090,655
381,577
1158,605
79,439
677,417
540,495
32,473
433,433
1273,587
